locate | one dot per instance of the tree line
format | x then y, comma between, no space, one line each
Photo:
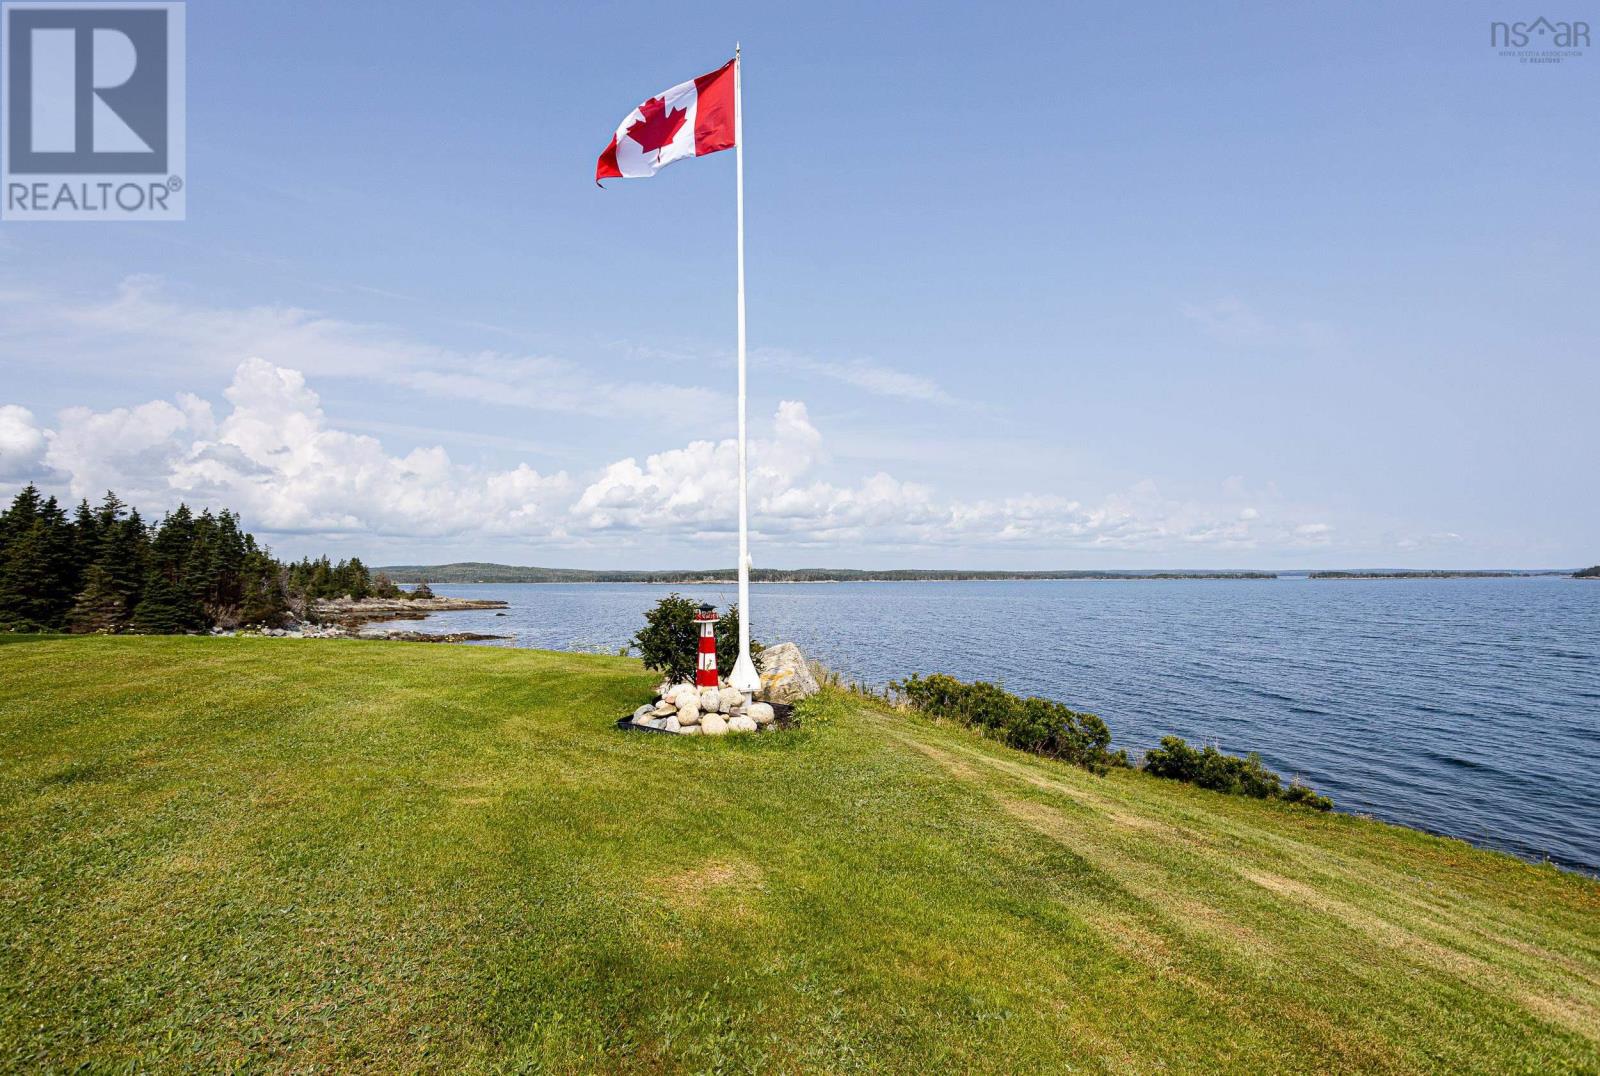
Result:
105,569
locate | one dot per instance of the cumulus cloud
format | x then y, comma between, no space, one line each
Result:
131,448
22,443
692,492
271,453
274,458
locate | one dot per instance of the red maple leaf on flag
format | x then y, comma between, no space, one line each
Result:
659,127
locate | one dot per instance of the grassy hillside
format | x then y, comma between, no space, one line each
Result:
332,854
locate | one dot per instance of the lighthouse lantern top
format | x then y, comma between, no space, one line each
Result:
707,612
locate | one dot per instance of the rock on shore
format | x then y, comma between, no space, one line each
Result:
785,675
298,630
355,611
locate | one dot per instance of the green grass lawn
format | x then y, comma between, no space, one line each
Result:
282,854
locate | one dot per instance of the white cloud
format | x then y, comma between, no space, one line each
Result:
1414,543
1232,321
691,491
22,443
131,449
141,327
273,458
862,374
272,455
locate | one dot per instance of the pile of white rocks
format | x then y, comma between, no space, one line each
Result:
295,630
704,711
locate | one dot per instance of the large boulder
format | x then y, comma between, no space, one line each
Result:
785,677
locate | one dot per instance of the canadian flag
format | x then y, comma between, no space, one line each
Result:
690,120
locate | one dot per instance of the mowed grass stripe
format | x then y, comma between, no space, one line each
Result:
322,854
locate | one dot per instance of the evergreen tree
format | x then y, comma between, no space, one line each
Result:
351,578
37,571
263,597
60,563
103,570
222,586
85,542
122,540
168,603
101,606
384,587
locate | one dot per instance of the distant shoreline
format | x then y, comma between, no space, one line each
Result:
481,573
451,574
1434,574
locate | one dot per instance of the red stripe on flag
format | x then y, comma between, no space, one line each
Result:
607,168
713,118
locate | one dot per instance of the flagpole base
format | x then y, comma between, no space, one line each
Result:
744,676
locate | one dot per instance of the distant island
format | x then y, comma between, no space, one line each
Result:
1432,573
479,572
1587,573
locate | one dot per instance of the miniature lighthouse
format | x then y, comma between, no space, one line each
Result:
705,674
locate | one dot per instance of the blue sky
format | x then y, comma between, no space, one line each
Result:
1029,286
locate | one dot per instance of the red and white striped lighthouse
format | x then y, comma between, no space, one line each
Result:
705,673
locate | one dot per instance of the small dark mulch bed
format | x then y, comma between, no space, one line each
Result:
782,718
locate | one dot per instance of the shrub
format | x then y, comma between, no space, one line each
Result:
1299,793
1041,726
421,590
1210,768
728,641
669,642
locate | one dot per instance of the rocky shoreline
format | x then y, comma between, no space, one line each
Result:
298,630
344,618
355,611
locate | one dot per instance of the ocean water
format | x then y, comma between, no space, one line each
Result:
1467,707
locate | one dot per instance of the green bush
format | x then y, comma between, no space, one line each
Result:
728,642
669,642
1041,726
1210,768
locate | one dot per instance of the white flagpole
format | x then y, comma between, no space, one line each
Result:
744,676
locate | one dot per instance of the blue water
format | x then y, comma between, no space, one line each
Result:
1468,707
